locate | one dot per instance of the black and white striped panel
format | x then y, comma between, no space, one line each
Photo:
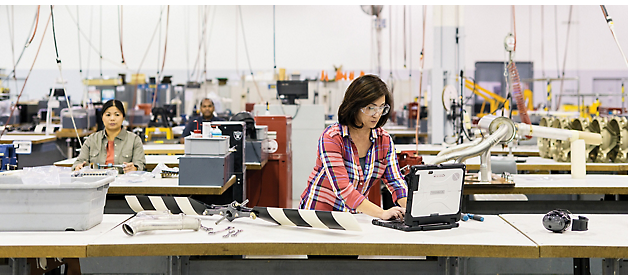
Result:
309,218
176,205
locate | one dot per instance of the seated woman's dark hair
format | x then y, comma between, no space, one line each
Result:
361,92
117,103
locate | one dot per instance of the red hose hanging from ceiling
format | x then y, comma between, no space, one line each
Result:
517,93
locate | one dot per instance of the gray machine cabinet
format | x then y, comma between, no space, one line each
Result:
205,170
255,152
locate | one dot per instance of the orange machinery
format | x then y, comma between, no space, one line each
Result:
272,185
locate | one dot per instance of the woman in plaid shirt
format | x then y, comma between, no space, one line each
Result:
356,152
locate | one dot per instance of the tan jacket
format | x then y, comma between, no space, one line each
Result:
128,148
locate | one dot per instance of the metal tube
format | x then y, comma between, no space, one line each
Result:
160,222
485,166
460,147
501,133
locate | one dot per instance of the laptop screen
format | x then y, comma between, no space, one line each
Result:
434,191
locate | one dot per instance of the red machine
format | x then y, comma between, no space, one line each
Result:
272,185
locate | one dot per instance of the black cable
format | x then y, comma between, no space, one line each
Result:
36,19
274,41
100,51
119,31
246,49
200,44
54,36
78,32
404,36
297,112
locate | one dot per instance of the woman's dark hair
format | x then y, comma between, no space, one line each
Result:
360,93
115,103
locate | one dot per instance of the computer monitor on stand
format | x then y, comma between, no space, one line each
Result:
289,91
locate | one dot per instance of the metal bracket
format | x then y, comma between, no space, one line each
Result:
178,265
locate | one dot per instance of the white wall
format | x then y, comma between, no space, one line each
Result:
308,39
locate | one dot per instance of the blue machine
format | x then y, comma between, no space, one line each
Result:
8,157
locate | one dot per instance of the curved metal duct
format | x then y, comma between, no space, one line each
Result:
154,220
501,129
460,147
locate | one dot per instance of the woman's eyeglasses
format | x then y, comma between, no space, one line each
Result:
373,110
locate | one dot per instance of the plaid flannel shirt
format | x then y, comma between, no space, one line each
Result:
338,182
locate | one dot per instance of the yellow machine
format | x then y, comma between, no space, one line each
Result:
493,99
593,111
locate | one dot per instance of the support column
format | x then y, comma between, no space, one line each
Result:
448,60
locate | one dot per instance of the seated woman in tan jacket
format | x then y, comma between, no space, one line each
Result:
113,144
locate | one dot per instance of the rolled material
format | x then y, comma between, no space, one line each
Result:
146,222
578,159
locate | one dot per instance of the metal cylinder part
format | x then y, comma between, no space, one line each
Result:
160,222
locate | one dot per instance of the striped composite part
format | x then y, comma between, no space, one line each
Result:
309,218
176,205
285,217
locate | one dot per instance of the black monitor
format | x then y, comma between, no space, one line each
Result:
288,91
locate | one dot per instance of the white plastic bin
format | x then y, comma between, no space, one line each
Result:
78,205
213,146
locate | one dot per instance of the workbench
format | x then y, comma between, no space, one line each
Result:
557,184
44,149
538,164
551,191
69,244
433,149
153,160
605,238
167,186
164,149
503,236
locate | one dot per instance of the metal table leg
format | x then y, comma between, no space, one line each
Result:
19,266
581,266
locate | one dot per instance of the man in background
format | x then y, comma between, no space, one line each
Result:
207,115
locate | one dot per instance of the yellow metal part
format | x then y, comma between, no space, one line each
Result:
158,130
138,79
103,82
549,96
593,108
493,99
